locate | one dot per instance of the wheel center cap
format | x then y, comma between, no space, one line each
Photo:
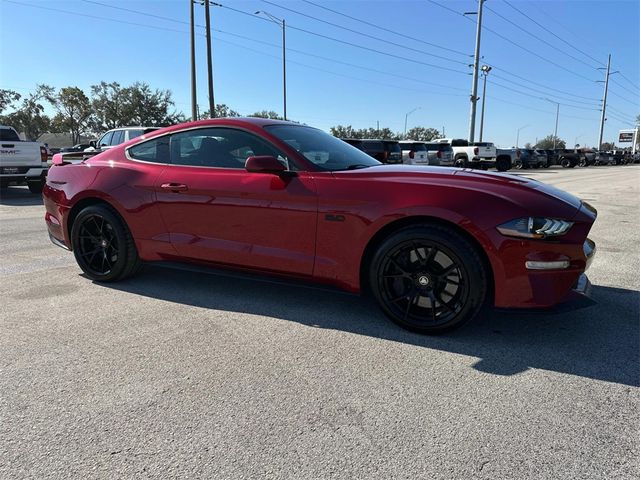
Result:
423,280
103,243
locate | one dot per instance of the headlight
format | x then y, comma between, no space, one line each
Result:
535,227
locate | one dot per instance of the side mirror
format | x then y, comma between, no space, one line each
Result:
92,143
264,164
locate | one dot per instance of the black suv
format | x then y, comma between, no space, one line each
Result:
385,151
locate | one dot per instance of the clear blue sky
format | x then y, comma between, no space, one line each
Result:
40,43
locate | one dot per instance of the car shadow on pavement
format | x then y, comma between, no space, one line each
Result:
19,196
600,342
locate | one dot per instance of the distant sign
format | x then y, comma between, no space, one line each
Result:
625,137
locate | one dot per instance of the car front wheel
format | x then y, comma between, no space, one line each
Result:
103,245
428,279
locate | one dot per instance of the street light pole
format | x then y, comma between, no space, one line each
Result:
485,72
406,117
555,134
518,135
283,25
194,107
476,63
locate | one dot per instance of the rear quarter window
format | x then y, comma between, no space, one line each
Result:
156,150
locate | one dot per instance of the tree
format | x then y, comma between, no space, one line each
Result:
108,104
267,114
528,145
74,112
608,146
222,111
147,107
29,117
7,98
348,131
343,131
547,143
422,134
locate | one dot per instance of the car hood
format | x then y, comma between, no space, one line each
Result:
502,184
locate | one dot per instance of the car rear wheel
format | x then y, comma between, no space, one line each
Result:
103,245
428,279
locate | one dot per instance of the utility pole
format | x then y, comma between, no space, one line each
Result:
281,22
476,63
604,100
284,67
212,103
194,108
485,72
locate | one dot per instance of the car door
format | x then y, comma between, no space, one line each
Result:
216,211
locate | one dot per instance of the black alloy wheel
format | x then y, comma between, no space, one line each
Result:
102,244
428,279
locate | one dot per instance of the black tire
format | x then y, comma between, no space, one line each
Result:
413,269
503,164
565,162
103,245
519,165
461,161
35,186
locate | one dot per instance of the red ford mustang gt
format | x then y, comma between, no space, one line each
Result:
433,245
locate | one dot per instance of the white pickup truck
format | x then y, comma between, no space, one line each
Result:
21,161
479,155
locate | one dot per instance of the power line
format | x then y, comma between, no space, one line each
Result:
365,34
386,29
97,17
537,37
147,14
506,39
355,45
333,60
528,107
634,85
591,103
554,34
625,88
315,68
528,94
633,102
619,112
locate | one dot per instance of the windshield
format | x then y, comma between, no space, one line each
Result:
323,150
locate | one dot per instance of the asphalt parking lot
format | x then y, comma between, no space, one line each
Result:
194,375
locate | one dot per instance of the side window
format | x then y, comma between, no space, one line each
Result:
105,140
135,133
219,148
118,137
156,150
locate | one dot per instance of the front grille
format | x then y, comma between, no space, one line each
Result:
14,170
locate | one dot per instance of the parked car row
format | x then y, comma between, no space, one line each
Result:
443,152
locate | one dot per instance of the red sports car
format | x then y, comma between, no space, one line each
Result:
432,245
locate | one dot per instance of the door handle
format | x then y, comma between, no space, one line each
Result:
174,187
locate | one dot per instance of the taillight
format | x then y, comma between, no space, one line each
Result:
517,153
412,154
385,155
439,154
44,156
476,150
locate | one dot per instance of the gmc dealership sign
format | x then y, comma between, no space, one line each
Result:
626,137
